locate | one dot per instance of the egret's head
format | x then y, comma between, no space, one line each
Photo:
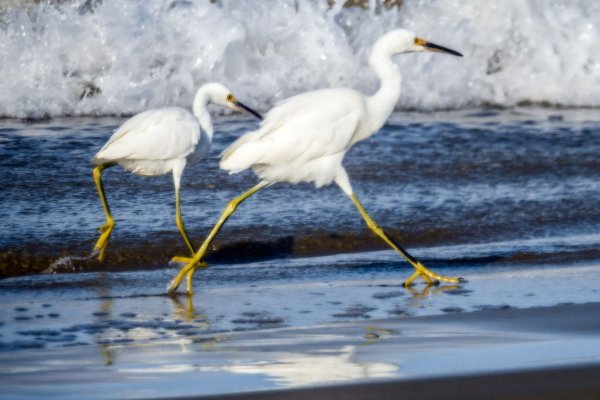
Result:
217,93
403,41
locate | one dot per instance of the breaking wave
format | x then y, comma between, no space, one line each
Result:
109,57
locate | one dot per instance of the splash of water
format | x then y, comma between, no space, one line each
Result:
111,57
65,263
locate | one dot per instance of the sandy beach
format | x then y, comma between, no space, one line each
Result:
547,352
471,336
555,383
360,335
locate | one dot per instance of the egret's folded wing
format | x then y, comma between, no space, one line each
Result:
300,129
153,135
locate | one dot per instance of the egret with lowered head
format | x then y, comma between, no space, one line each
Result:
304,139
156,142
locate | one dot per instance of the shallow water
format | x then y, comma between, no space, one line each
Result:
507,199
49,311
440,178
80,57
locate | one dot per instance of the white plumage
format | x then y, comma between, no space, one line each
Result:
147,143
160,141
154,141
305,139
302,139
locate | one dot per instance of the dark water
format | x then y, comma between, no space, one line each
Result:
469,177
507,199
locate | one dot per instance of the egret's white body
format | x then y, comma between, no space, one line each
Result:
300,141
305,138
169,136
161,141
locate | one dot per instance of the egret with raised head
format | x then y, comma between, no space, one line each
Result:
156,142
305,137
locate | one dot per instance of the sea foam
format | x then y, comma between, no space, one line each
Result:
111,57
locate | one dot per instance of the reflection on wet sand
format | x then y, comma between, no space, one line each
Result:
185,312
327,365
112,334
106,305
429,290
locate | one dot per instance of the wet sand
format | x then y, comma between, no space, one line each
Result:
549,352
251,246
242,245
317,326
580,383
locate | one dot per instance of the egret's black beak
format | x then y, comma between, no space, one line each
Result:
248,109
436,47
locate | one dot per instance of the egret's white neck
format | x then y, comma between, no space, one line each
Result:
382,103
200,109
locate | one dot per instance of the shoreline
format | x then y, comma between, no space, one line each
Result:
572,383
154,254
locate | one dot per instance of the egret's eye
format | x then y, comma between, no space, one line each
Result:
230,98
420,42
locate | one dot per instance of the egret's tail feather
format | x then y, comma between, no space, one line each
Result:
242,157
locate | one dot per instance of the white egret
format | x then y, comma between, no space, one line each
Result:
305,138
156,142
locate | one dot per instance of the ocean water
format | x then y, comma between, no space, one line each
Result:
470,177
107,57
488,169
505,185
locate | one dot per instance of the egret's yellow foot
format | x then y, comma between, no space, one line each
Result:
188,272
102,242
437,277
430,277
408,283
196,261
181,260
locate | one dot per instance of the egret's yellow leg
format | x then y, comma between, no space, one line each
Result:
429,276
107,228
181,227
191,266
